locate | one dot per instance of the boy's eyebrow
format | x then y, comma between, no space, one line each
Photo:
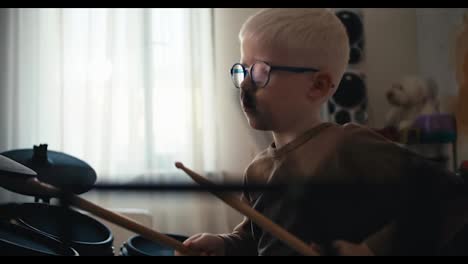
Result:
254,60
247,65
257,59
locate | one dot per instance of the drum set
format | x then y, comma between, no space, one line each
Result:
42,228
45,229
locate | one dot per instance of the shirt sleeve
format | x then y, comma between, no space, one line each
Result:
240,242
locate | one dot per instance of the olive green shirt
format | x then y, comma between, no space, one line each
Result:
345,182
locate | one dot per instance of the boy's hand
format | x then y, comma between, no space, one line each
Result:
317,248
344,248
208,244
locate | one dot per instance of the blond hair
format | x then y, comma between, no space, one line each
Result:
317,36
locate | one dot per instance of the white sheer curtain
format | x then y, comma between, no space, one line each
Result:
129,91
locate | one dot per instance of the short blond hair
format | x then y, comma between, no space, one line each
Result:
317,35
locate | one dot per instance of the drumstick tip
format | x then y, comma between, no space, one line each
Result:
179,165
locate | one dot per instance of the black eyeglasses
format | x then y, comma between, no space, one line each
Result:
260,73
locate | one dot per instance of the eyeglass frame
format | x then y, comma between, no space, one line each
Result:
272,68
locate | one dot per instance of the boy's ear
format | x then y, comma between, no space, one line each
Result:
322,85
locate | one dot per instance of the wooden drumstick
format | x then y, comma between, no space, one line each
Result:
130,224
33,185
253,215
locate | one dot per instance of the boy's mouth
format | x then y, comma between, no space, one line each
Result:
248,107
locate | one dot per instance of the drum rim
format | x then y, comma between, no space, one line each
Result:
105,243
54,244
129,244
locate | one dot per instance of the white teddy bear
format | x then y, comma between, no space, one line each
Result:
409,98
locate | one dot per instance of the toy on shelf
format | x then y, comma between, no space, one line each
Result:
409,98
436,129
426,135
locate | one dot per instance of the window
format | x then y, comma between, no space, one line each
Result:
129,91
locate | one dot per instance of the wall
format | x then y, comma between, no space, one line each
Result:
237,142
390,54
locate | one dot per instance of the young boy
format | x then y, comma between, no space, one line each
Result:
348,199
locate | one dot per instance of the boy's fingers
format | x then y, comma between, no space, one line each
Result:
191,239
338,244
344,248
198,244
316,247
187,243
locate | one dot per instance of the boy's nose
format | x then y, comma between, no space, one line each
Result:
247,84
